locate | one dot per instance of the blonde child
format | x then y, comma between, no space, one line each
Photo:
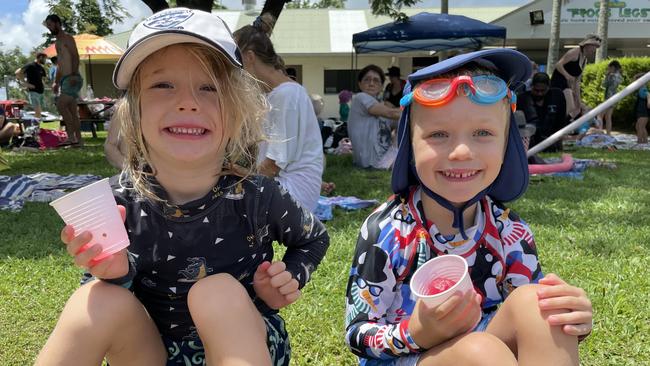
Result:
197,284
460,155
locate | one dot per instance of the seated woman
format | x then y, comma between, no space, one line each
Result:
7,129
369,122
293,151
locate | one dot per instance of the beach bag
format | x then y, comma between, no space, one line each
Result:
51,138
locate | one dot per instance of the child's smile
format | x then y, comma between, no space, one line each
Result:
186,131
459,175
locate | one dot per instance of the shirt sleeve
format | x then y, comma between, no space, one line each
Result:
643,93
295,227
366,100
522,262
289,110
373,289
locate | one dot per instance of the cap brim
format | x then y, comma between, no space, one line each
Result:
139,51
513,66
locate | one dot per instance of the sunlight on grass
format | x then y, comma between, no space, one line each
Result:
592,232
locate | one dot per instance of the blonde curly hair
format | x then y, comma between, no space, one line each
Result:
242,104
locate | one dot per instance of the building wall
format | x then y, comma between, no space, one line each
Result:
313,70
628,27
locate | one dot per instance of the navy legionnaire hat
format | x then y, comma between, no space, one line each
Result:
511,66
172,26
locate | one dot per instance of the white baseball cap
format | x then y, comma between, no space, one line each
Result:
172,26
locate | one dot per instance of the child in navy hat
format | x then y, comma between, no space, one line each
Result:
460,156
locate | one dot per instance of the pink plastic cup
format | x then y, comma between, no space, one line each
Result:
440,271
445,267
93,208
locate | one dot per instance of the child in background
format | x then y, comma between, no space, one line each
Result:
460,155
612,80
344,104
642,111
197,284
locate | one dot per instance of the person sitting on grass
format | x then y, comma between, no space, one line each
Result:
197,281
460,155
8,130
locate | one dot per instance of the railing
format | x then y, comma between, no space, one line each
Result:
591,114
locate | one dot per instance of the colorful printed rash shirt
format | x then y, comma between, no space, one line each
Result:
394,242
230,230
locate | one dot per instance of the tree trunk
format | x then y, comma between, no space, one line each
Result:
156,5
205,5
444,7
603,22
554,39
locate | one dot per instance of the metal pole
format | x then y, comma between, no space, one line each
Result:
591,114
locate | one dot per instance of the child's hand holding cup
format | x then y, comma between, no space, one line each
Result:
440,278
93,209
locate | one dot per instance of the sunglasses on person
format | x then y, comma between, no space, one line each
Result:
482,89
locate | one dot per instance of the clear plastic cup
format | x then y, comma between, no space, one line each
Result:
445,267
93,208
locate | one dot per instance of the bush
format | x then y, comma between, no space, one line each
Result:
593,92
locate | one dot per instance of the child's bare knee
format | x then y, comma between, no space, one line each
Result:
95,303
524,296
220,290
480,348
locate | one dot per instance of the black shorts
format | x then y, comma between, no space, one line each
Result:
641,109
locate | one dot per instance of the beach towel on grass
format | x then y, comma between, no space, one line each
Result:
39,187
325,204
579,166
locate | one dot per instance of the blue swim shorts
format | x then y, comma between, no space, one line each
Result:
35,99
71,85
188,353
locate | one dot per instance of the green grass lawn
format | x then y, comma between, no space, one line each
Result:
592,232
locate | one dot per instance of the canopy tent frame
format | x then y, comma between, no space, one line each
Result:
425,32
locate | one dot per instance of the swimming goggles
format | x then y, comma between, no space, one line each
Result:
482,89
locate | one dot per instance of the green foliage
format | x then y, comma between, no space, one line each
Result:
593,92
86,16
10,61
592,232
90,19
392,8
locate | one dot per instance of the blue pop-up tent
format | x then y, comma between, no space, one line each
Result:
429,32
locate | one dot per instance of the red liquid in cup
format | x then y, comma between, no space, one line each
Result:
438,285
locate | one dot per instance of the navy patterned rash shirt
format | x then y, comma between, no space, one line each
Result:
230,230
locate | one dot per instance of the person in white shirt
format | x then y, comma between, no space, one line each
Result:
293,151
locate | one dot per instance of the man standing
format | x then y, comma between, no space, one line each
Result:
31,76
67,79
393,91
544,107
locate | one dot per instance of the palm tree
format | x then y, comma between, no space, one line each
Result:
603,22
554,39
